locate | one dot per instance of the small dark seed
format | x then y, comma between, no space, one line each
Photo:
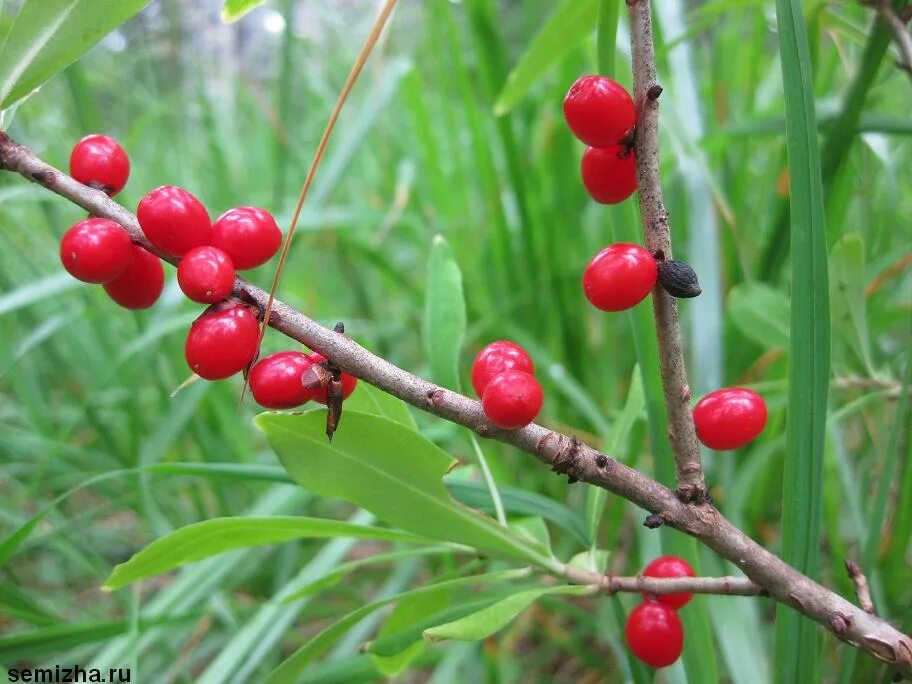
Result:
678,279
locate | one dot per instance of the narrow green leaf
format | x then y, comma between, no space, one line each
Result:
850,316
408,611
493,618
798,638
36,291
390,470
48,35
609,14
563,32
211,537
233,10
444,314
761,313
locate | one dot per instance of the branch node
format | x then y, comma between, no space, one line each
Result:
654,92
601,460
654,520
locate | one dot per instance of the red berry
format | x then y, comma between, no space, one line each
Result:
206,274
609,174
669,566
729,418
496,358
655,634
100,162
249,235
512,399
348,381
619,277
141,283
222,341
599,111
96,250
275,381
174,220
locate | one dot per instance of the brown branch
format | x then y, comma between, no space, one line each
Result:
564,454
897,25
608,584
862,590
681,432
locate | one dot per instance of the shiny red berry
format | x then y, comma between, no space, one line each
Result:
669,566
96,250
609,174
349,382
174,220
249,235
512,399
222,341
141,282
100,162
729,418
655,634
619,277
599,111
206,274
496,358
275,381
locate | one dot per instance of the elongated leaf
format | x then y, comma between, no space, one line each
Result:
761,313
233,10
489,620
850,317
369,399
50,34
409,611
211,537
565,30
444,314
389,470
37,291
797,638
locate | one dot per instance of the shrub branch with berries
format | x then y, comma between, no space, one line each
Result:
123,253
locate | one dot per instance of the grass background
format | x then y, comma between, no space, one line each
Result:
233,113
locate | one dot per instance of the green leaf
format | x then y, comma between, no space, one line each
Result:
761,313
233,10
444,314
211,537
48,35
850,317
567,28
389,470
491,619
408,611
797,637
369,399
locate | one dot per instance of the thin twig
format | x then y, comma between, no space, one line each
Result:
722,586
563,453
862,590
681,432
897,25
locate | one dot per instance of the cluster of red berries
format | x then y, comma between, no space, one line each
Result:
503,376
225,339
654,631
601,113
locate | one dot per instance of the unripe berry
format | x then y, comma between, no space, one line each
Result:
96,250
275,381
206,274
174,220
249,235
512,399
496,358
669,566
222,341
100,162
619,277
729,418
349,382
141,282
609,174
599,111
655,634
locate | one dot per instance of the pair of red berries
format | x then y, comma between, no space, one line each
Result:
503,376
601,113
654,631
729,418
282,380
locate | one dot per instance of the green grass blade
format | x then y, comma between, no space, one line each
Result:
797,638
